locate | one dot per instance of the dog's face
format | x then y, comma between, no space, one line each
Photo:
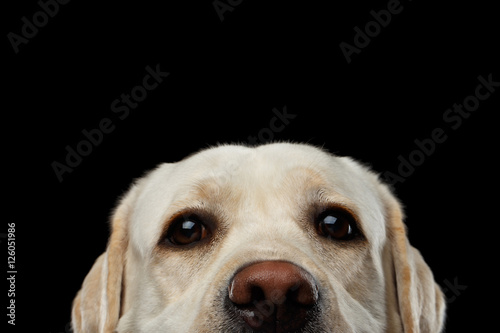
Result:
278,238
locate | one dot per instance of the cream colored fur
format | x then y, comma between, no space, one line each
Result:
260,198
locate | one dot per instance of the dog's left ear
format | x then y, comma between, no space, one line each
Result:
420,300
96,307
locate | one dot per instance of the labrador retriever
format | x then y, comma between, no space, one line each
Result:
277,238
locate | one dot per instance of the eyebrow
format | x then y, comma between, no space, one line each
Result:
203,212
324,197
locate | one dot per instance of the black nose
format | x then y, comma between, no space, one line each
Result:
273,296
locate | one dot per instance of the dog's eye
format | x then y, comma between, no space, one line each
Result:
186,230
337,225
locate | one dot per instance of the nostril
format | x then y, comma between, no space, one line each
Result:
257,294
276,291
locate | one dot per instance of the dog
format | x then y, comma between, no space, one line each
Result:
281,237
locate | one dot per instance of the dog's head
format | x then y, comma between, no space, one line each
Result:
278,238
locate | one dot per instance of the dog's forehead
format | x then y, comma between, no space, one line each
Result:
268,167
273,162
274,171
276,166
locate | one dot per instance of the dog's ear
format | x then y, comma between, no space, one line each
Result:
420,300
96,307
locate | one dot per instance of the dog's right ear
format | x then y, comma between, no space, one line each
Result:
96,307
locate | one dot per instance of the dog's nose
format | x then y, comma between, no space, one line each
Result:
274,296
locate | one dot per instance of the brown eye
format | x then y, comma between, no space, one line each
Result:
337,225
186,230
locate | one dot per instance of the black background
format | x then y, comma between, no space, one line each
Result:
225,79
